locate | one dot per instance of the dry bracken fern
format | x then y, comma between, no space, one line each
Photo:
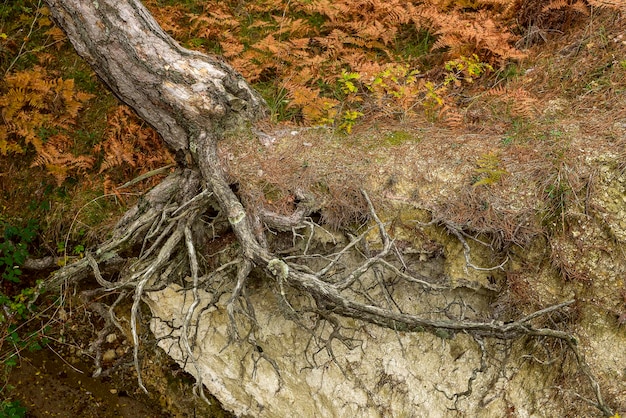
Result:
130,147
37,109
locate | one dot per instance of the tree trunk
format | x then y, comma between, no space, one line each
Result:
190,98
185,95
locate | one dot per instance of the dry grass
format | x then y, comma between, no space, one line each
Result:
546,127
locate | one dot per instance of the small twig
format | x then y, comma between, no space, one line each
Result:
69,232
546,310
467,251
242,274
584,367
120,298
263,355
147,175
26,38
387,243
64,361
343,251
410,278
163,233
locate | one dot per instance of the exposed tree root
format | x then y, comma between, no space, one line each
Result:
167,235
191,99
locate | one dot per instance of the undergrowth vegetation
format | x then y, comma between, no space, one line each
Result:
325,62
18,299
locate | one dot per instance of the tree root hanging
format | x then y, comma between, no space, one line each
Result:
170,224
191,99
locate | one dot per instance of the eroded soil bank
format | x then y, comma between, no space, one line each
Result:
511,226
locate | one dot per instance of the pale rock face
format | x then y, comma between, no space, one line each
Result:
373,380
389,374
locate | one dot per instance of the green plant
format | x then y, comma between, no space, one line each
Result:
396,87
12,409
398,137
433,100
465,69
557,197
79,250
349,119
13,249
32,341
18,306
507,140
347,82
76,251
17,301
489,170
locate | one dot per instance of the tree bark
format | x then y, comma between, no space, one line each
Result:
190,98
186,96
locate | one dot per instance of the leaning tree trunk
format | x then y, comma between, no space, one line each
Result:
185,95
188,97
192,99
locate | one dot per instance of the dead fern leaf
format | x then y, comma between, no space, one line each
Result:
452,117
56,157
577,6
130,147
611,4
57,35
520,101
34,101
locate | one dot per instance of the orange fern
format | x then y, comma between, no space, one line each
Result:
130,147
56,157
37,109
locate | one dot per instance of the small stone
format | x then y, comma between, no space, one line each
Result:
113,391
111,337
109,355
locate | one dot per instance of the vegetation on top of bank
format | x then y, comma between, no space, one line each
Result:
336,63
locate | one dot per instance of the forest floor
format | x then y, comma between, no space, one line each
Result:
58,379
50,383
